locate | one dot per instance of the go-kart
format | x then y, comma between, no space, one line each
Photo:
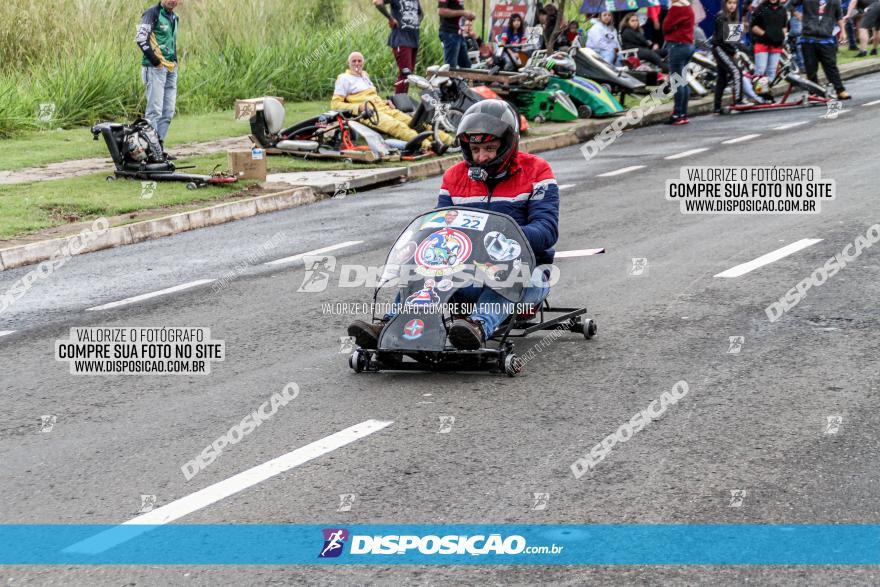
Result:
331,135
138,153
591,65
438,255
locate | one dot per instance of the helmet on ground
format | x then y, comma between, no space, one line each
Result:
136,148
562,65
485,121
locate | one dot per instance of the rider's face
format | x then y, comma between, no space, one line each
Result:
485,152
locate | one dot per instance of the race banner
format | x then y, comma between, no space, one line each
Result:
502,10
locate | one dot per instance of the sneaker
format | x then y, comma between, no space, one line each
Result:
843,95
467,335
873,51
672,119
862,54
681,121
366,335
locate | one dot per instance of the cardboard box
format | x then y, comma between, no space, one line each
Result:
244,109
248,164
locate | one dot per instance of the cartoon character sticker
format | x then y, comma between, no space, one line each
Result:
500,247
444,284
443,252
413,329
425,296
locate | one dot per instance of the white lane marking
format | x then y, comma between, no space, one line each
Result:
315,252
6,332
620,171
146,296
839,112
578,253
874,103
214,493
740,139
769,257
684,154
565,186
790,125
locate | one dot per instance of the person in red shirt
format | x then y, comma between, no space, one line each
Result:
678,30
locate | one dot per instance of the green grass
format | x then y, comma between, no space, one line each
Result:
36,148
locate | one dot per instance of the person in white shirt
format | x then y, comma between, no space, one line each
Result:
602,38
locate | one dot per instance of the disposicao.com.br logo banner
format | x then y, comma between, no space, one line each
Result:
181,544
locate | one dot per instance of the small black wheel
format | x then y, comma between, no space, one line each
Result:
540,119
607,88
110,178
357,360
725,110
590,328
192,186
512,365
584,111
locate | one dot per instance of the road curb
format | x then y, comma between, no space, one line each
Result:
299,196
127,234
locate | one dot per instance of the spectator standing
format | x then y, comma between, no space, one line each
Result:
678,30
768,30
728,34
157,39
818,42
455,52
404,20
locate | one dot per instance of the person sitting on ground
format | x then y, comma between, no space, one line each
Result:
631,37
768,28
602,38
354,90
494,175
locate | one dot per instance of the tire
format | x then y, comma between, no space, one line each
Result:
590,328
192,186
110,178
511,365
357,361
584,111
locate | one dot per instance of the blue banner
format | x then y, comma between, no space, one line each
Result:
597,6
440,544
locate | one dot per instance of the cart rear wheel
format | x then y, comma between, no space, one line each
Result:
512,365
584,111
590,328
110,178
192,186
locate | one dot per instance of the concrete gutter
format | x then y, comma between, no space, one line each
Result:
322,186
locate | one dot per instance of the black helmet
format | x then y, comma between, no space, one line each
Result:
488,120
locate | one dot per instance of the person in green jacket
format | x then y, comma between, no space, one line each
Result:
157,39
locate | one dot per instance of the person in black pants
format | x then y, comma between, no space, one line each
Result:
631,37
818,42
728,34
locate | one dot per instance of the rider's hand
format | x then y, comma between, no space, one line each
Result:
468,15
392,23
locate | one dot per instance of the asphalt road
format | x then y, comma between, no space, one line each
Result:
754,420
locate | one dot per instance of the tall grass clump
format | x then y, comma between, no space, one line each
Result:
80,55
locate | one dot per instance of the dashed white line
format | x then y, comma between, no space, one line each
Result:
6,332
874,103
315,252
565,186
684,154
790,125
154,294
740,139
620,171
769,257
223,489
578,253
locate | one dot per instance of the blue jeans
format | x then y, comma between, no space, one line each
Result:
490,305
455,50
161,89
679,56
766,63
795,28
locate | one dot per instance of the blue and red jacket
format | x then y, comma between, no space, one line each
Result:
528,194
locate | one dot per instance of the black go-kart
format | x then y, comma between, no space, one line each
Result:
138,153
440,253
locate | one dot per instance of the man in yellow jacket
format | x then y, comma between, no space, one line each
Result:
354,88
